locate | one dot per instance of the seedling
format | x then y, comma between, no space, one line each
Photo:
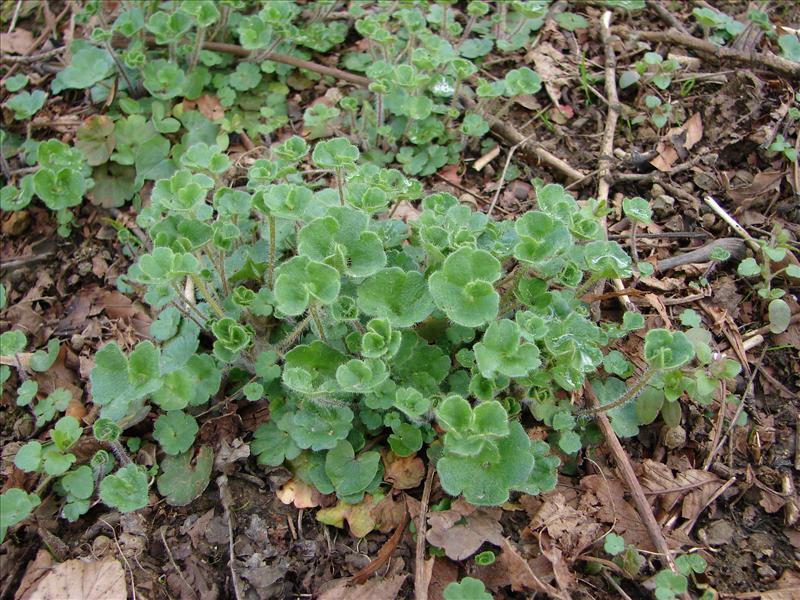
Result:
772,251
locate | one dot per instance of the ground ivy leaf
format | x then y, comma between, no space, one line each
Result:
175,431
463,287
350,475
180,481
125,490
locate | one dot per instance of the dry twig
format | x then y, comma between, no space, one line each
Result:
635,488
607,148
754,59
420,584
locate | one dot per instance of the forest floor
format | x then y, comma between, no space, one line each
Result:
732,497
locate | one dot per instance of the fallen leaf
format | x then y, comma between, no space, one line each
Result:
229,453
403,472
34,572
512,569
550,63
209,106
18,41
572,529
788,587
374,589
677,143
442,573
460,533
763,182
297,492
84,580
406,211
605,501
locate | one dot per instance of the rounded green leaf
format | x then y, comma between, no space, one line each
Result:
350,475
463,287
125,490
301,280
667,349
175,431
400,296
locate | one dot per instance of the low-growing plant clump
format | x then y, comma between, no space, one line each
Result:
364,334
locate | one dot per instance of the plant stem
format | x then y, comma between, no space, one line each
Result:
631,393
312,310
504,109
293,336
119,452
340,184
198,44
226,288
212,301
272,251
467,30
580,291
42,486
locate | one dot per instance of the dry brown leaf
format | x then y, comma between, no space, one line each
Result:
374,589
297,492
461,530
18,41
403,472
570,528
605,501
443,572
209,106
549,64
83,580
34,572
677,143
788,587
762,183
564,577
512,569
406,211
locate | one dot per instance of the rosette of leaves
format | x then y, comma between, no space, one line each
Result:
343,240
463,288
63,176
401,297
541,237
500,351
312,368
485,456
301,281
380,340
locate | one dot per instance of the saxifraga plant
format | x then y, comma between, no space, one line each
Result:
445,335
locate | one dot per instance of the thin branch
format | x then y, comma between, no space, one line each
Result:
629,476
503,174
754,59
420,585
607,149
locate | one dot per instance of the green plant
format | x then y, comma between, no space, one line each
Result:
772,251
468,588
719,27
781,146
653,68
660,112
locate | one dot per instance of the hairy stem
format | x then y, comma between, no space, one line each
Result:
293,336
312,310
198,45
207,295
271,224
584,287
631,393
340,184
